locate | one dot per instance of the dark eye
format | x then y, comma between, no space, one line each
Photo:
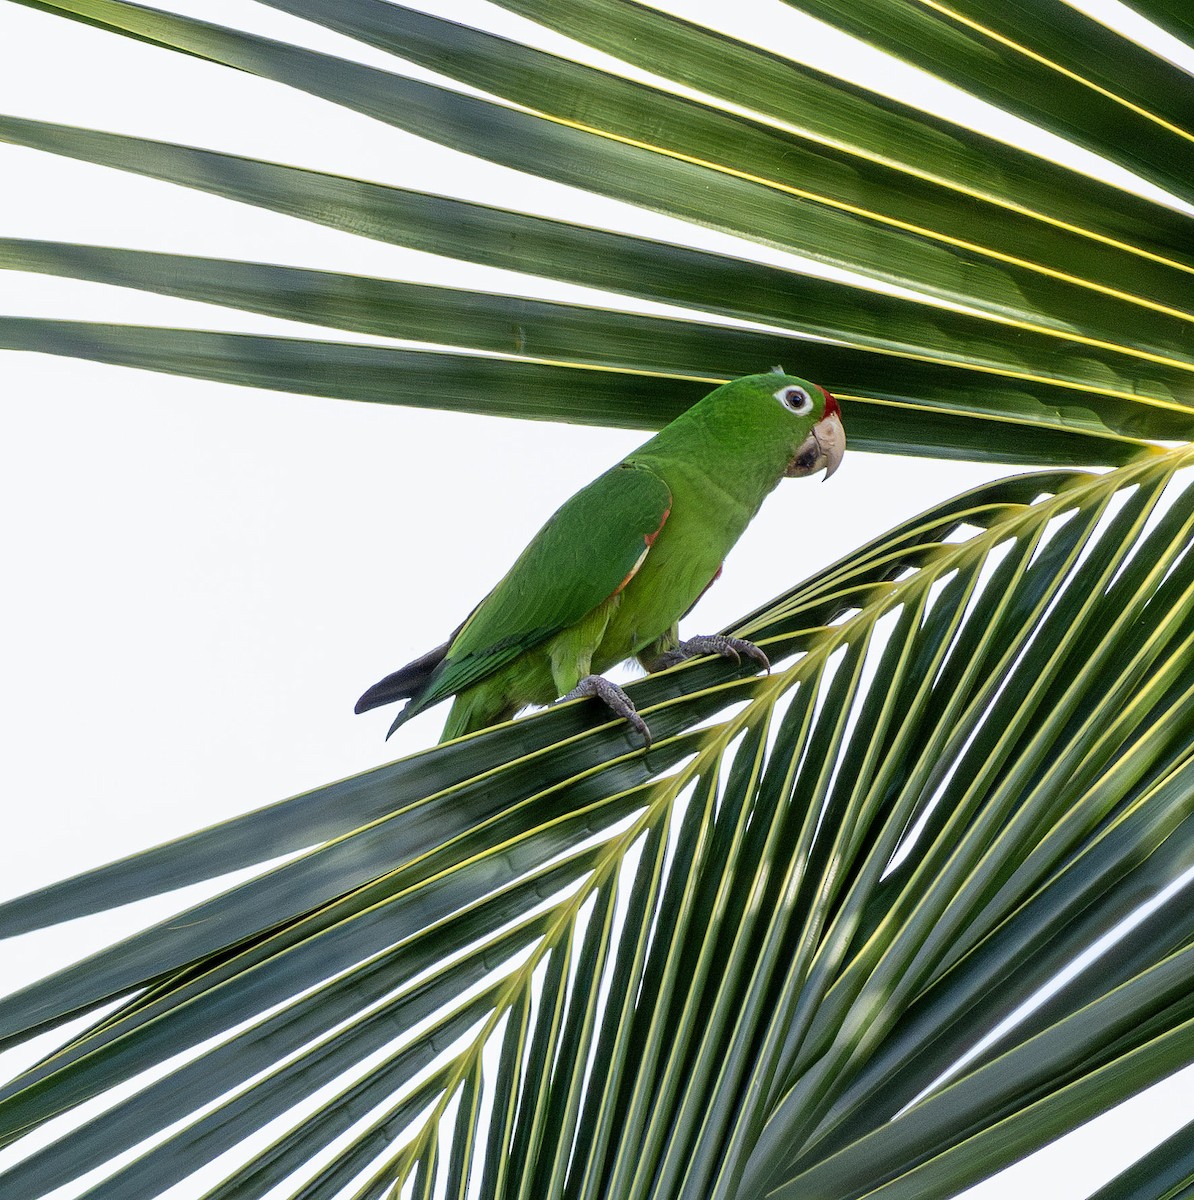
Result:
795,398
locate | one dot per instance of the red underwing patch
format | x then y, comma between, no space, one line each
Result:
649,538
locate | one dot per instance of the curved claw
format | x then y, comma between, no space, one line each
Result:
714,643
757,653
614,698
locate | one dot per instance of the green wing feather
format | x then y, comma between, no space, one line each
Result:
588,550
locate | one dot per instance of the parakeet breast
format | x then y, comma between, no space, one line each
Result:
703,525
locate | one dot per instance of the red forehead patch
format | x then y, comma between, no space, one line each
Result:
831,405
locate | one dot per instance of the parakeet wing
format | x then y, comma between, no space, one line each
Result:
587,551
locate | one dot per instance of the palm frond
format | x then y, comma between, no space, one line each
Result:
1163,1172
975,745
1100,312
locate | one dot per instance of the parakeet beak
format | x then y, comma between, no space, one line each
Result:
823,447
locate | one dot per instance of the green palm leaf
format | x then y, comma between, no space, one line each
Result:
1167,1171
763,958
778,945
1101,380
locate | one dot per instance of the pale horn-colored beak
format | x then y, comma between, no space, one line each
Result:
824,447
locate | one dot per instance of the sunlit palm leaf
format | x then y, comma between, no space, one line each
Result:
653,367
545,389
775,951
818,106
1062,70
1172,15
1102,317
738,157
1168,1171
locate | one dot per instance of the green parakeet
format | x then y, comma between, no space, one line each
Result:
615,568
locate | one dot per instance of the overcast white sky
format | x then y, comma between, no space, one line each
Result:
200,580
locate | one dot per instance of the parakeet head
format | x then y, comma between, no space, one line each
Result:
795,425
825,443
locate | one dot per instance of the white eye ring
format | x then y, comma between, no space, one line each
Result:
796,399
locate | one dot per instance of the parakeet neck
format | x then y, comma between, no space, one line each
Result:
730,469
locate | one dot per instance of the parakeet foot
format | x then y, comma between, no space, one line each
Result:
727,647
616,699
